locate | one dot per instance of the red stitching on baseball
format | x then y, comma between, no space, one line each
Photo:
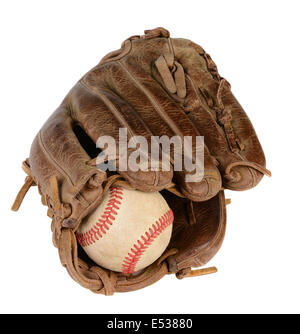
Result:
102,225
138,249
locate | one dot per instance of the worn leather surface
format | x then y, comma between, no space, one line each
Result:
153,85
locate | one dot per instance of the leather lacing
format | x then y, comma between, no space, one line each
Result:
224,118
172,74
173,77
149,34
223,114
95,278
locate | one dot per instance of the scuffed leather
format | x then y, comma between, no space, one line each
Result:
153,86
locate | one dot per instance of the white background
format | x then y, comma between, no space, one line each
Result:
46,46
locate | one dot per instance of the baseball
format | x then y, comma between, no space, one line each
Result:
128,231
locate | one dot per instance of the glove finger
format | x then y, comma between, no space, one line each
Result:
60,167
102,113
162,116
57,143
227,130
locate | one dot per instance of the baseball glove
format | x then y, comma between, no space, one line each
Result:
152,86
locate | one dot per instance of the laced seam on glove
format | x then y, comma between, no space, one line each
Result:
224,118
185,272
149,34
108,279
166,254
157,32
212,67
172,74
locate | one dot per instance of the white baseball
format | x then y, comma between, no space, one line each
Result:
128,231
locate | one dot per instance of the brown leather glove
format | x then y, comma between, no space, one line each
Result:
152,86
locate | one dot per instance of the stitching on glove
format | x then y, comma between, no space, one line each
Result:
106,219
138,249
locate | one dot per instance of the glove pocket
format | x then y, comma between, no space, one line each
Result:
198,230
